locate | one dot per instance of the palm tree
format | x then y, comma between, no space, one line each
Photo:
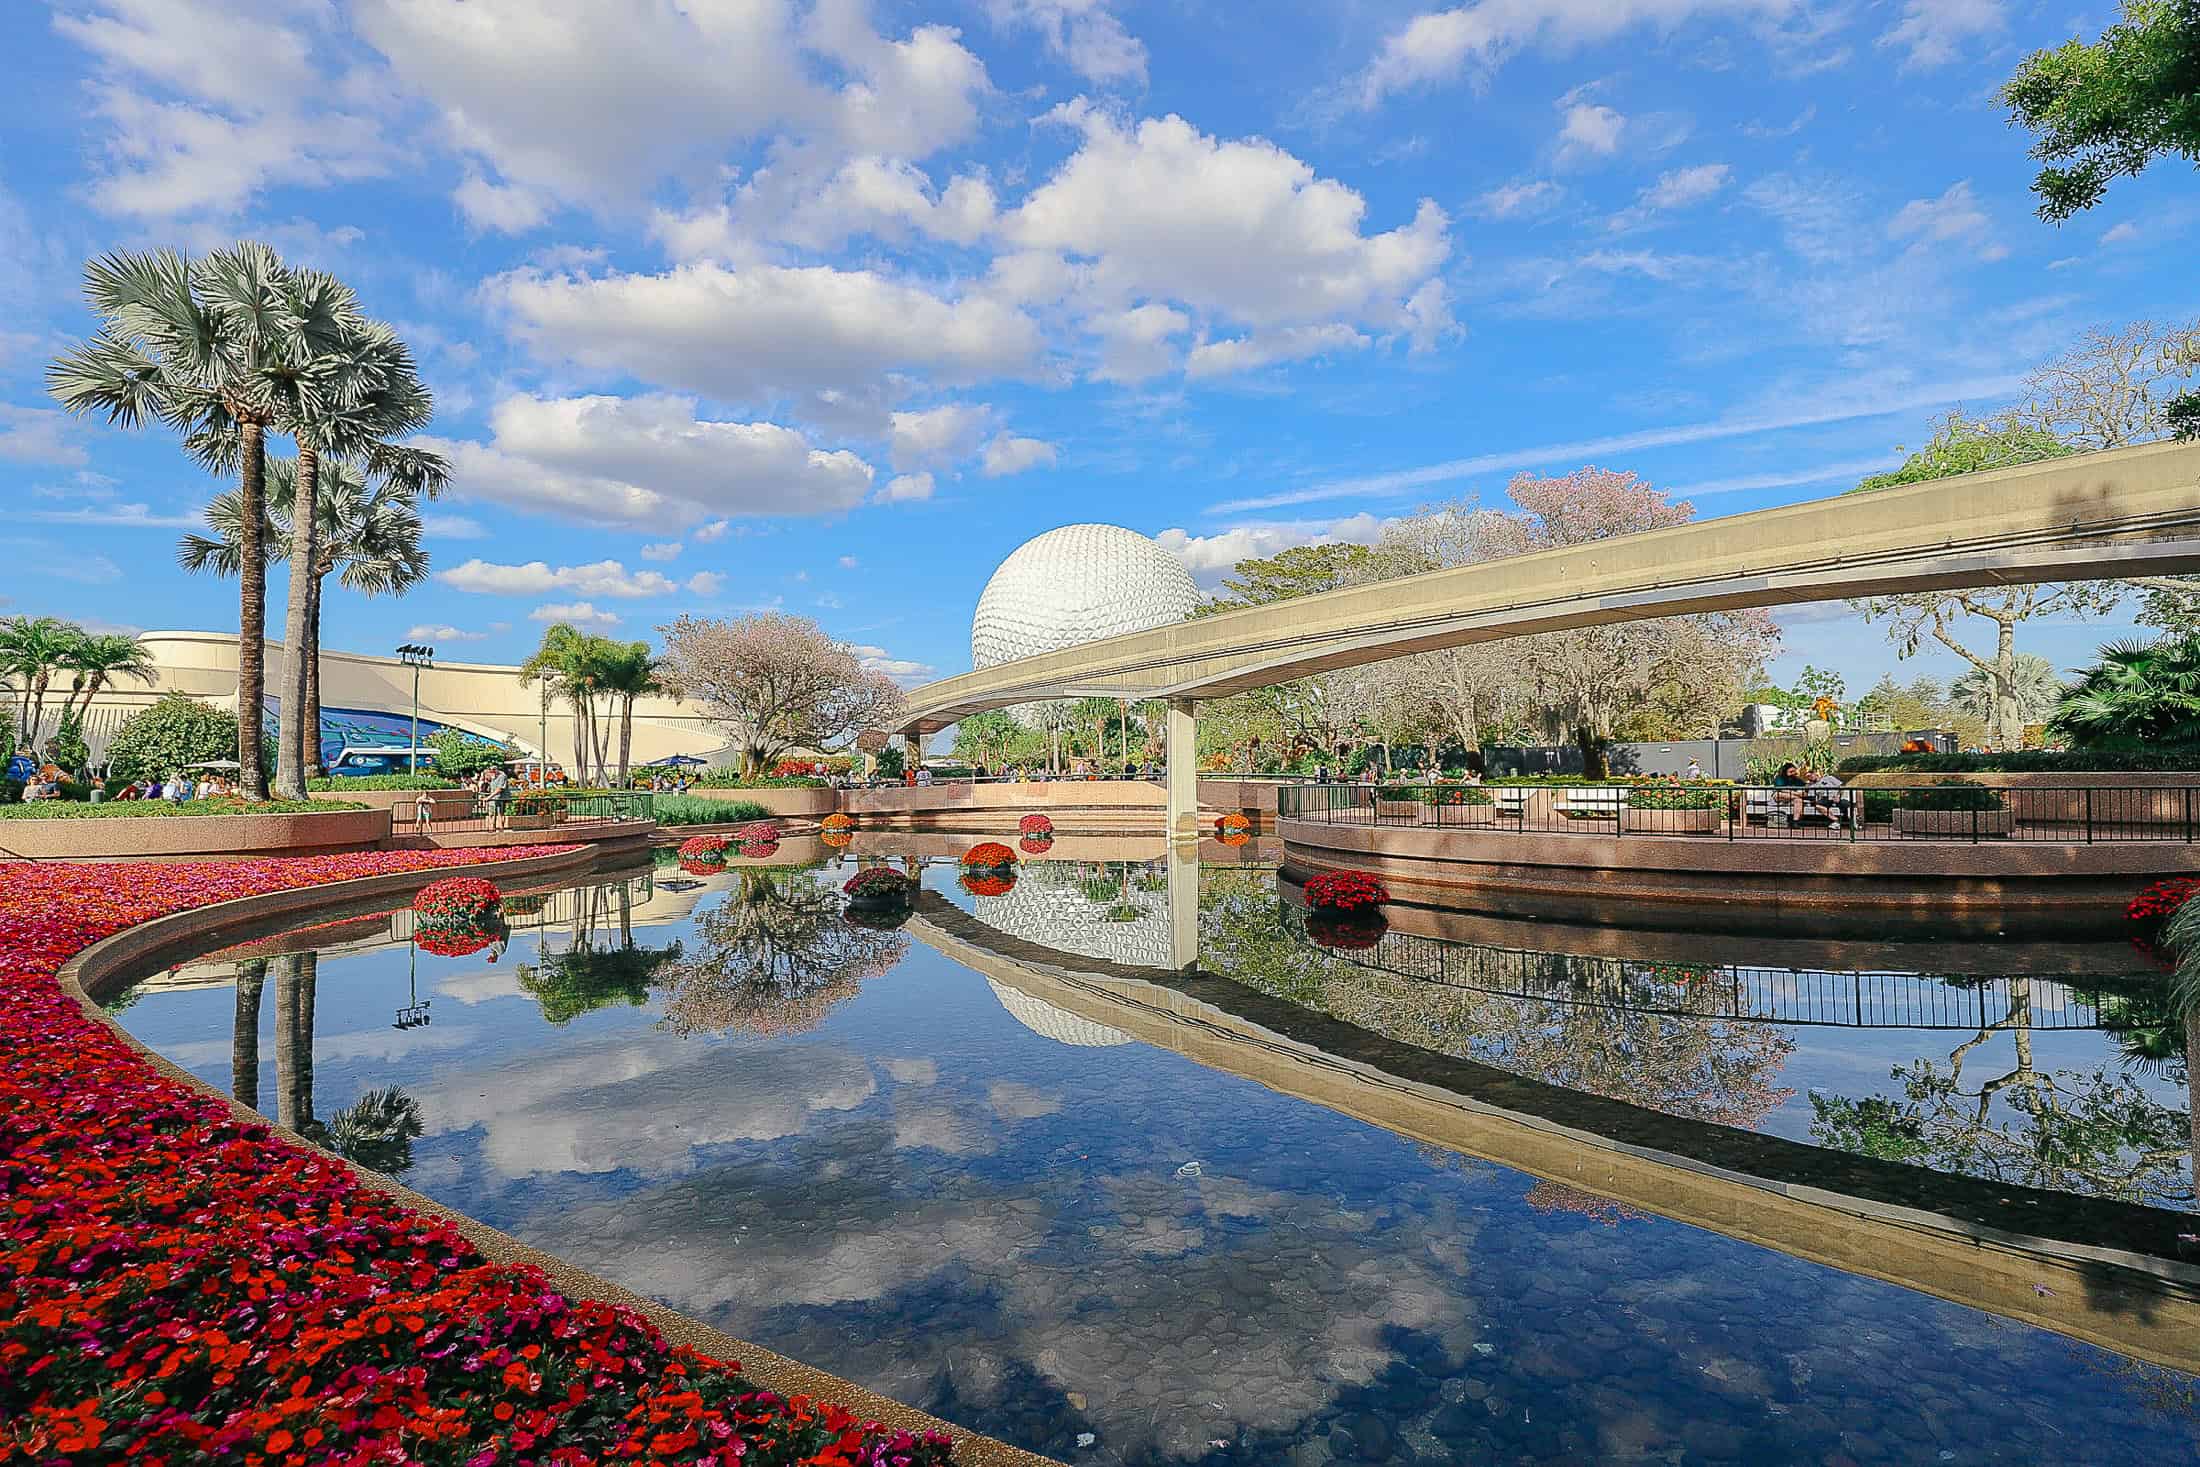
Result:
377,1130
296,977
2137,695
371,532
32,650
99,658
244,1033
2036,686
204,347
353,400
574,664
626,671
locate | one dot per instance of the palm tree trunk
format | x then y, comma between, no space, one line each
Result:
244,1034
290,767
600,726
294,982
36,723
251,609
2192,1089
626,734
312,749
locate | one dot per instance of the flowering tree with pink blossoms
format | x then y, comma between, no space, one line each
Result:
775,682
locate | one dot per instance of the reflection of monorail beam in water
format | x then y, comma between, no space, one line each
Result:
1855,999
2106,1272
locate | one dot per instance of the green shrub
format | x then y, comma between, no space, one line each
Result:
1675,797
382,782
462,756
156,809
174,732
1396,792
66,748
2029,761
691,810
1458,794
1950,794
727,778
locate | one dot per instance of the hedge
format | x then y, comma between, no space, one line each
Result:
381,782
688,810
2028,761
155,809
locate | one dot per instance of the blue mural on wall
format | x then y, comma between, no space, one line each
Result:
363,728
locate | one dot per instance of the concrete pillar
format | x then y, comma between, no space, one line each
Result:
1183,905
912,749
1183,770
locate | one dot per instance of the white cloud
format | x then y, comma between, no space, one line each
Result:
111,516
705,583
662,550
1264,348
1006,455
1956,217
906,489
710,531
901,669
602,578
453,527
1137,344
2122,233
763,330
1589,127
580,613
570,99
1438,45
1242,229
433,632
1679,188
648,460
501,208
1208,556
797,201
848,562
1085,33
1519,200
37,436
936,436
1935,32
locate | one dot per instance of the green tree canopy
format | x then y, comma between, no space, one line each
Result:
1961,445
2137,696
1303,570
174,732
2107,110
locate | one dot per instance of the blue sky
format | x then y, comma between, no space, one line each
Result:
826,306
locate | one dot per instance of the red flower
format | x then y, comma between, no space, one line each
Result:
1036,845
2153,907
989,855
1346,930
1345,891
178,1283
988,882
879,884
836,821
704,848
758,838
1234,821
1035,825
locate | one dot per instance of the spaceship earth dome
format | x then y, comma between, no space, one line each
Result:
1077,584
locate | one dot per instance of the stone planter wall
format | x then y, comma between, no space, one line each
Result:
1956,824
183,836
1675,822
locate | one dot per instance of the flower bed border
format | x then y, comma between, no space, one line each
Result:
90,969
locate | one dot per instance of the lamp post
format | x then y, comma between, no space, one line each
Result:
415,657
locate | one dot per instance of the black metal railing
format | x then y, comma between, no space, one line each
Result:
1969,813
459,812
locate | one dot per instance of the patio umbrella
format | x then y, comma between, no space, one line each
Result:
215,764
672,760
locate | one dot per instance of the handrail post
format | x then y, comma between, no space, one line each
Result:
2089,814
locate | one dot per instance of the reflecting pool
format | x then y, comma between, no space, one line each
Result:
928,1156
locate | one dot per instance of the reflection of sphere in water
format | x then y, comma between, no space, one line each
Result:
1077,584
1059,1025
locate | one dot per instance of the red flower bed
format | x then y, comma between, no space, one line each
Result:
1345,891
758,838
703,848
2153,907
1035,825
180,1284
989,855
1234,821
837,839
457,903
988,883
836,821
1036,845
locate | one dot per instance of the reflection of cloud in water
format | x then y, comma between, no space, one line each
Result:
362,1044
642,1105
1012,1100
1126,1288
1059,1025
483,986
914,1071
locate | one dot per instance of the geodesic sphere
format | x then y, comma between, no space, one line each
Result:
1077,584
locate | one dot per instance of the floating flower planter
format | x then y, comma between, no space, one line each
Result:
989,882
457,917
1035,825
989,855
1036,845
759,838
838,840
836,822
1346,931
1345,891
703,855
879,897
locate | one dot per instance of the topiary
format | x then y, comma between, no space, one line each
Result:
174,732
67,748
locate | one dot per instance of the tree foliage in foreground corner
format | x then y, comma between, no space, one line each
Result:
775,682
2138,696
2107,110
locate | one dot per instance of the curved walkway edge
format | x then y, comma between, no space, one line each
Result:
95,971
